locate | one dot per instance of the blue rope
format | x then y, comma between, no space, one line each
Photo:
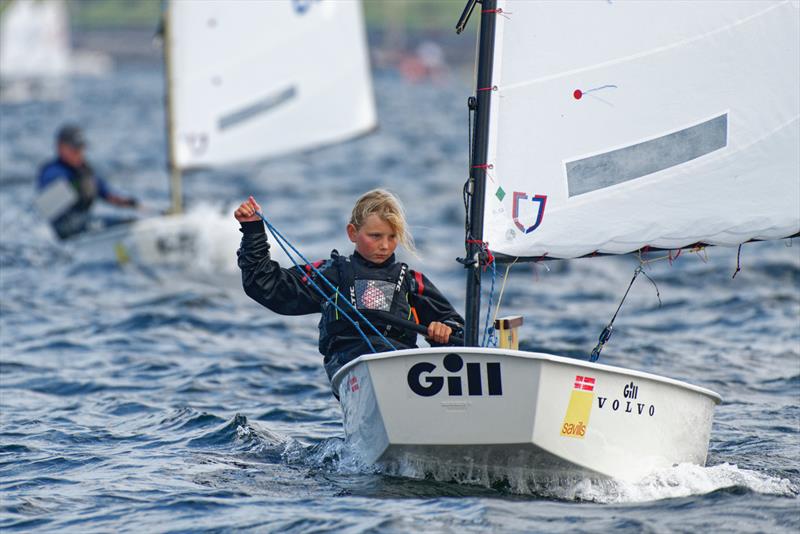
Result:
278,238
319,289
487,336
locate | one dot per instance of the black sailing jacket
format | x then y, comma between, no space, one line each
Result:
288,292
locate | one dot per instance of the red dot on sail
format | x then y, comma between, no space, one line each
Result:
577,94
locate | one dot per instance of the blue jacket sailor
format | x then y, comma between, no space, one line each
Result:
67,187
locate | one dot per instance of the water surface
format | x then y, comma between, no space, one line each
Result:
163,400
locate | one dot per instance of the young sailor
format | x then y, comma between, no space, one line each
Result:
370,278
67,187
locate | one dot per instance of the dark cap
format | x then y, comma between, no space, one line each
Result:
71,135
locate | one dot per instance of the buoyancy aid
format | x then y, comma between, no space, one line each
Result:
86,186
368,288
76,218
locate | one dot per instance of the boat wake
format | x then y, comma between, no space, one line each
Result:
208,239
683,480
680,481
218,238
331,455
202,240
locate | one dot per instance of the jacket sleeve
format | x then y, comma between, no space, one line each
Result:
431,305
284,291
103,191
50,173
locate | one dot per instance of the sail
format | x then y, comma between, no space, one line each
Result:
250,80
620,125
34,40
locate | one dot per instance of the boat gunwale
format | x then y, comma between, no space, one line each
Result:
541,356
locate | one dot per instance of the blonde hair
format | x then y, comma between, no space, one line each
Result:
389,208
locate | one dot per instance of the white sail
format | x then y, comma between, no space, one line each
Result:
250,80
34,40
619,125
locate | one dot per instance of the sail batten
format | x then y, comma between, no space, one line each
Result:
624,125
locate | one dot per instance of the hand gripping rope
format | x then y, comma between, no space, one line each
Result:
281,241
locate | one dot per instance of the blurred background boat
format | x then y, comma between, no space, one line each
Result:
237,94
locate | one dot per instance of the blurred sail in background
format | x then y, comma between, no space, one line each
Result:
35,56
246,81
252,80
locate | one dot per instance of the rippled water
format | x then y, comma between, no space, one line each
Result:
148,399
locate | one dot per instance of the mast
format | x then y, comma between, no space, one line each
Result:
477,181
175,189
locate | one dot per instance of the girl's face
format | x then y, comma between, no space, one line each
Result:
376,240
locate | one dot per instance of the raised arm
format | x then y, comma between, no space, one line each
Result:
284,291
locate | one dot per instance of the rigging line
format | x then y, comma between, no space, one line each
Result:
277,234
469,135
648,261
535,268
320,291
469,177
469,184
471,108
674,258
738,262
484,257
658,293
502,290
704,257
605,335
498,11
636,273
486,335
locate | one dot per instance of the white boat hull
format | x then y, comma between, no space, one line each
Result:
163,240
498,411
200,241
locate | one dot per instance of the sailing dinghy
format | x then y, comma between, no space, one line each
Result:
601,128
237,93
35,55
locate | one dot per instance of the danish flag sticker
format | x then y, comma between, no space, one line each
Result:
584,383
